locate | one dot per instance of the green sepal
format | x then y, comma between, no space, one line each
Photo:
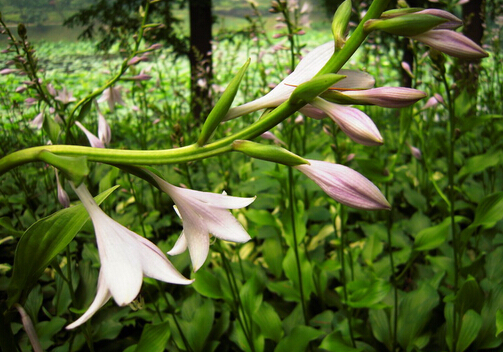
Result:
40,244
407,25
74,168
268,152
399,12
307,91
337,97
340,23
221,108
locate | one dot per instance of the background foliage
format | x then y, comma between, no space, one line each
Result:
372,281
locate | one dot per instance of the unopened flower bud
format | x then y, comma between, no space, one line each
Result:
268,152
416,152
452,43
340,23
406,25
345,185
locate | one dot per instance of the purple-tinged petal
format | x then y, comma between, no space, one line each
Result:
451,43
353,122
345,185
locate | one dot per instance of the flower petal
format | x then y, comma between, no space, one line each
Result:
180,245
345,185
353,122
102,297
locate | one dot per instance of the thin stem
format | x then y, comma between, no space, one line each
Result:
182,335
246,326
343,273
295,244
393,275
455,239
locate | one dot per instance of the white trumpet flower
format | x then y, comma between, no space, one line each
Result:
204,213
125,258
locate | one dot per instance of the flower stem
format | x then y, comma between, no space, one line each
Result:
455,240
295,244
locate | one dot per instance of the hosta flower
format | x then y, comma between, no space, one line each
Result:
203,214
125,258
104,131
112,95
354,89
94,141
65,97
38,121
345,185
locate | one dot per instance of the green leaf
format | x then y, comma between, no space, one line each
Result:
470,326
489,210
273,255
251,295
261,217
290,268
414,312
199,328
499,321
207,284
335,343
432,237
379,323
298,340
372,248
154,338
269,322
479,163
40,244
469,296
363,295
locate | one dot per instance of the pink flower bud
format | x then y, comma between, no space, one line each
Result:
345,185
451,43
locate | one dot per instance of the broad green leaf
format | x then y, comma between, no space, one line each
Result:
300,219
261,217
207,284
47,329
40,244
298,340
414,198
273,255
414,312
379,323
198,329
363,295
154,338
470,296
335,343
489,210
291,272
251,295
285,289
432,237
372,248
499,321
7,227
487,336
479,163
470,326
269,322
